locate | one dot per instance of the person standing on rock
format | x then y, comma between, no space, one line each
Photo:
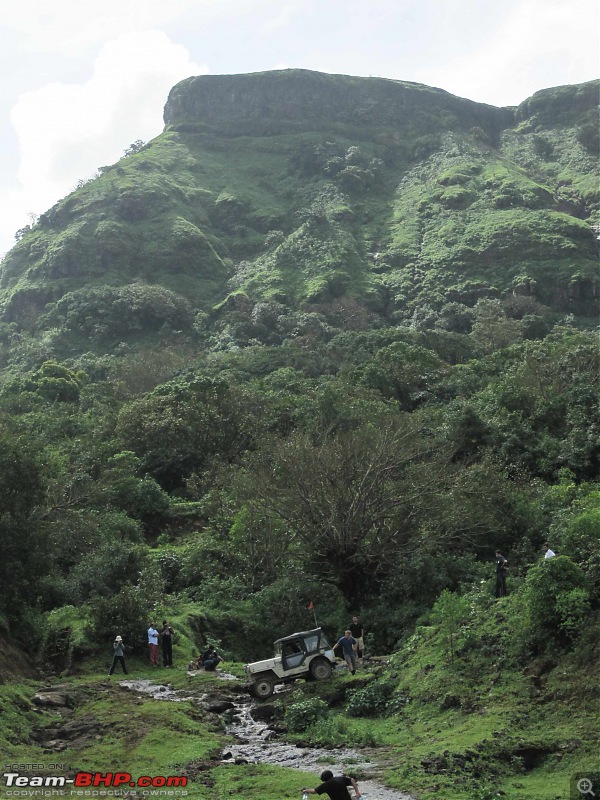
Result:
153,645
335,788
119,655
501,567
358,632
166,639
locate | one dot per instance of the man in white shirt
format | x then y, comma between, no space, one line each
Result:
153,645
547,552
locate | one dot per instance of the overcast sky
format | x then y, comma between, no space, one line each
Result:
82,79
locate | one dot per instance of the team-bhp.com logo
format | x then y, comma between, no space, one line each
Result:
91,780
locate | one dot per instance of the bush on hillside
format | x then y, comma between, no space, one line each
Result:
556,602
300,716
370,701
64,638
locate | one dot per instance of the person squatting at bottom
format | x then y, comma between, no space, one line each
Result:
335,788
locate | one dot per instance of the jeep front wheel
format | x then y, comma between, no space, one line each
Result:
263,687
320,669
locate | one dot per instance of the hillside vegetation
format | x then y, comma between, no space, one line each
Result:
324,339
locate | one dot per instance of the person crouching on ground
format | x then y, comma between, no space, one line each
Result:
348,645
335,788
210,659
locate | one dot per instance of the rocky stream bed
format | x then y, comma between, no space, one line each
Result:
256,738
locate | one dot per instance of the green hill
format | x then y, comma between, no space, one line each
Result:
325,343
304,188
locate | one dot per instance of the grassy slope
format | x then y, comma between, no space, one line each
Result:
484,726
490,721
137,735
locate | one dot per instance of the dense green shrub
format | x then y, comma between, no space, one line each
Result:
370,701
300,716
556,600
115,312
65,638
57,383
128,613
577,532
449,612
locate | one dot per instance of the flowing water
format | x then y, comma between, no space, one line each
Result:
254,743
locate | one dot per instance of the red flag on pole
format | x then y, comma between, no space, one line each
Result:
311,605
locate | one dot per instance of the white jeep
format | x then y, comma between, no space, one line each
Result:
302,655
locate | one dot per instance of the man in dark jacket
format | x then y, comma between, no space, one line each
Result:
501,567
335,788
166,640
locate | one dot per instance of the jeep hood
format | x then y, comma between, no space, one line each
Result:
258,666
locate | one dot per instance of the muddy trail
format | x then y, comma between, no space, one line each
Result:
256,736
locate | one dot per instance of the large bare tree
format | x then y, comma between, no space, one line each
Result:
352,501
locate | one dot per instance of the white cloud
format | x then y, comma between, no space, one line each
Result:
542,43
65,132
283,17
83,79
72,26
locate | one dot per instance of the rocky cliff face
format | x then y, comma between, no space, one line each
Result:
301,187
287,100
561,105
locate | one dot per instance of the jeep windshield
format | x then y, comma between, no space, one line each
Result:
310,641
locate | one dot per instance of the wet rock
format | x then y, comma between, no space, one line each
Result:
53,700
278,727
227,755
56,745
218,706
240,761
264,712
76,733
158,692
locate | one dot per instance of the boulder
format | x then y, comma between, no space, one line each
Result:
53,699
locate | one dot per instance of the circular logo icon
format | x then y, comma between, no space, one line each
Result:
584,786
